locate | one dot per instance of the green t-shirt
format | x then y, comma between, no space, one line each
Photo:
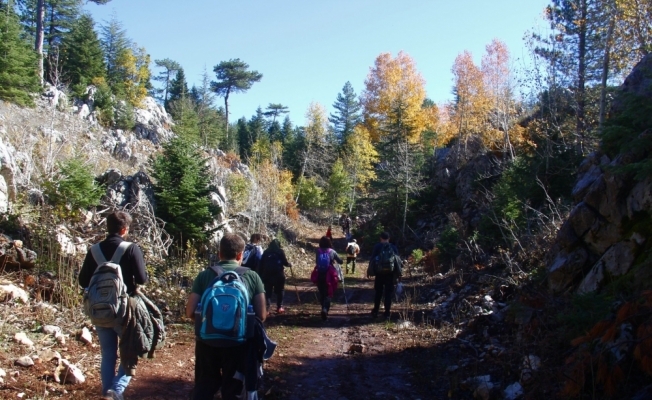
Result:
250,278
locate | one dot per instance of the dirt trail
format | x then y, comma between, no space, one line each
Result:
349,356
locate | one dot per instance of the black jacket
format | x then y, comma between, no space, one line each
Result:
132,263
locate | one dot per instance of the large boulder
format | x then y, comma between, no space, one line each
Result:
153,122
607,227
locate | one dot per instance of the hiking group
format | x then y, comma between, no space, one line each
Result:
228,302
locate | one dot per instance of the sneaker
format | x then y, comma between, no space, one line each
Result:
386,315
281,310
374,313
324,313
111,394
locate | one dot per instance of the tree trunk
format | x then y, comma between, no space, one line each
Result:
605,68
226,111
581,74
38,45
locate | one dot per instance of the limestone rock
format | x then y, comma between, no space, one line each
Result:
68,373
153,122
9,291
22,339
24,361
48,355
85,336
51,330
513,391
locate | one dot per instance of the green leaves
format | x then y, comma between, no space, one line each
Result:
181,191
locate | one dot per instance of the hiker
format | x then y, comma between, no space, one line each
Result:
272,270
347,225
352,251
132,266
385,265
325,275
253,252
343,223
329,234
223,367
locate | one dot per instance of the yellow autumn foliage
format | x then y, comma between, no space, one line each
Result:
394,82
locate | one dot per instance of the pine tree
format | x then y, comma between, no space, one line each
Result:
114,43
170,69
18,62
181,189
233,77
178,86
81,53
275,110
211,120
347,114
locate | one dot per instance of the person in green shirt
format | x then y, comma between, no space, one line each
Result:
220,367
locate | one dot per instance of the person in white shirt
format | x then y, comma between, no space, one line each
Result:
352,250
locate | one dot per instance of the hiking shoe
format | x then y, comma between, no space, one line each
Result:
374,313
281,310
387,316
324,313
111,394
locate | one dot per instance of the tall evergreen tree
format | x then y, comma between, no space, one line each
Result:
275,110
114,43
170,69
211,120
347,114
18,62
233,77
181,189
81,53
286,130
178,86
274,132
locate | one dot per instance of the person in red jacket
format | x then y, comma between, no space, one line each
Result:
329,234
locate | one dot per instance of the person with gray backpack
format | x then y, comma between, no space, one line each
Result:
111,272
385,265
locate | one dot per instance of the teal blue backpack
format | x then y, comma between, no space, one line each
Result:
221,317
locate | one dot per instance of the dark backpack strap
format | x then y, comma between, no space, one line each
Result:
219,270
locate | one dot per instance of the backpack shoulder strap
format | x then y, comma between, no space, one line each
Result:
241,270
217,269
97,254
119,252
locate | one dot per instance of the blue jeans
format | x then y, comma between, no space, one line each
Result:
109,345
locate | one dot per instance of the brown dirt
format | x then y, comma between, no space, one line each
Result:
349,356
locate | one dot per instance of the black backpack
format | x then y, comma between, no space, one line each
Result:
351,249
271,263
249,259
386,260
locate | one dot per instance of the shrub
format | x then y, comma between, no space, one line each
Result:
311,196
74,185
237,189
447,244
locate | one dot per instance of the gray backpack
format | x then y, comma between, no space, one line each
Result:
105,299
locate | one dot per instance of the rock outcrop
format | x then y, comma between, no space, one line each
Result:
607,228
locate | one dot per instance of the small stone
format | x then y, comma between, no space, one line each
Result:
24,361
86,336
21,338
60,338
48,355
513,391
51,330
357,348
68,373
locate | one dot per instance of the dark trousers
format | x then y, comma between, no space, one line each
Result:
322,286
384,285
215,368
274,283
350,260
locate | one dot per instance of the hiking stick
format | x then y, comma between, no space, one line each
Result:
344,290
296,289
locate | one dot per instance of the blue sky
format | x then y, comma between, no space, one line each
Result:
308,49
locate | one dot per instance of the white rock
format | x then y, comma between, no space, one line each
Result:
61,339
24,361
48,355
21,338
3,373
513,391
68,373
532,362
51,330
9,291
86,336
45,307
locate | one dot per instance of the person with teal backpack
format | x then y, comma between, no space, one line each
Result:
385,265
219,297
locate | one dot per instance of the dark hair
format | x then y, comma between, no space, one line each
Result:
255,238
325,242
230,246
384,236
117,221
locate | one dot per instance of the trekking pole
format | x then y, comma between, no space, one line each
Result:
346,301
294,280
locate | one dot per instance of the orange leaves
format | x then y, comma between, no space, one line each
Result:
392,83
599,328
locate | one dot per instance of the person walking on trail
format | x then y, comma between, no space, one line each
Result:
385,265
325,275
272,269
132,266
329,234
253,252
222,367
352,251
